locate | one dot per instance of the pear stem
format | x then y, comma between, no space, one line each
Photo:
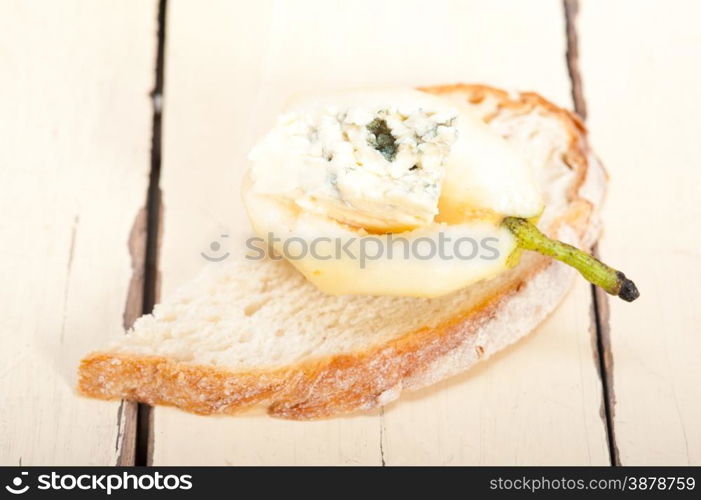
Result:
612,281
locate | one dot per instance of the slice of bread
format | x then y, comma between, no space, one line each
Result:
250,333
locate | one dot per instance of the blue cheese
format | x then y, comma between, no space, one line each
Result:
372,160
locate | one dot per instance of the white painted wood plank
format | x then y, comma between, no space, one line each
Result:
75,125
641,71
229,69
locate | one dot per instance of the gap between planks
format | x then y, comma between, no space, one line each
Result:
600,305
134,443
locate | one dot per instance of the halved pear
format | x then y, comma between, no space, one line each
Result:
384,162
417,249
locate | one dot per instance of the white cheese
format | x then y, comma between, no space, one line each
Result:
370,160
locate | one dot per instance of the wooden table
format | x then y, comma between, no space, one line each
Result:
92,122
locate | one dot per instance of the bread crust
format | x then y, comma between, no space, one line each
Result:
360,381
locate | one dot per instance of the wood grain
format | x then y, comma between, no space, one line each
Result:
229,69
75,120
641,75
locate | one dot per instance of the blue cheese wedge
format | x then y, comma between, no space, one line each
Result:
372,160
